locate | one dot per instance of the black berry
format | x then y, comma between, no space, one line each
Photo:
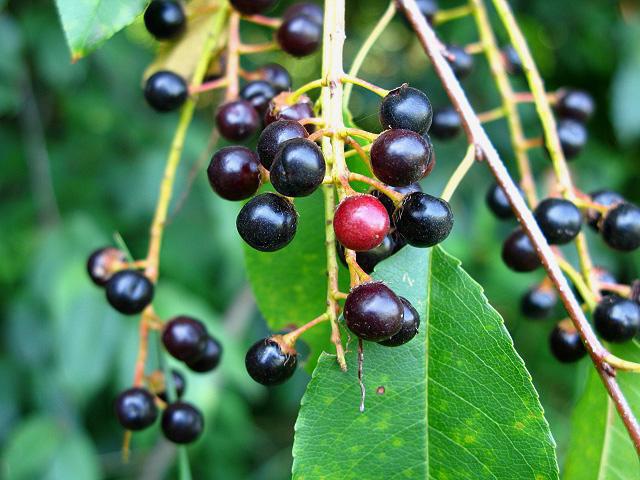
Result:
575,104
566,344
182,422
512,61
276,75
361,222
274,135
299,35
617,319
267,222
282,111
498,203
518,252
621,227
251,7
446,123
269,363
179,386
423,220
407,108
234,173
410,325
606,198
185,338
136,409
461,62
388,203
538,302
258,93
237,120
368,259
165,91
101,262
129,291
400,157
165,19
573,137
559,219
311,10
373,312
298,168
209,358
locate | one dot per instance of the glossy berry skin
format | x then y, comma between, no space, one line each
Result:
274,135
185,338
298,168
410,325
368,259
575,104
407,108
512,61
269,364
559,219
182,423
299,35
179,386
129,291
100,262
258,93
388,203
400,157
209,358
165,19
267,222
573,137
566,344
251,7
136,409
461,62
423,220
621,227
538,303
498,203
276,75
361,222
446,123
607,198
234,173
165,91
373,312
298,111
518,252
311,10
237,120
617,319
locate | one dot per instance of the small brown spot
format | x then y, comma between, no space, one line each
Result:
380,390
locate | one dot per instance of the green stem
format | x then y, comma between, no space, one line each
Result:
460,172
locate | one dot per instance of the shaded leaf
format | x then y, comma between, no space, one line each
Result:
625,103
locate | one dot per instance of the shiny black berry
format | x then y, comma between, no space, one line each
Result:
311,10
237,120
498,203
407,108
566,344
606,198
276,75
446,123
234,173
617,319
400,157
512,61
518,252
298,168
165,19
100,264
267,222
251,7
258,93
461,62
179,385
621,227
185,338
373,312
209,358
559,219
182,422
270,363
274,135
129,291
573,137
298,111
299,35
538,302
410,325
388,203
575,104
136,409
165,91
423,220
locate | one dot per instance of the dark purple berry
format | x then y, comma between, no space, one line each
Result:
566,344
573,137
185,338
400,157
251,7
498,203
129,291
267,222
575,104
617,319
368,259
559,219
538,302
621,227
311,10
283,111
410,325
165,91
518,252
461,62
234,173
165,19
407,108
276,75
388,203
512,61
269,363
100,264
136,409
182,422
209,358
299,35
423,220
274,135
373,312
298,168
606,198
179,385
446,123
258,93
237,120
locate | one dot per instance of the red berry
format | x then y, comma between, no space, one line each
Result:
361,222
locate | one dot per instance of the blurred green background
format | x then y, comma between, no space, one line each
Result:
82,157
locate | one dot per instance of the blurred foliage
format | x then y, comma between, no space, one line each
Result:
82,156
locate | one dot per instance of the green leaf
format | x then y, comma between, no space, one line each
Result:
454,403
88,23
30,448
625,104
600,447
